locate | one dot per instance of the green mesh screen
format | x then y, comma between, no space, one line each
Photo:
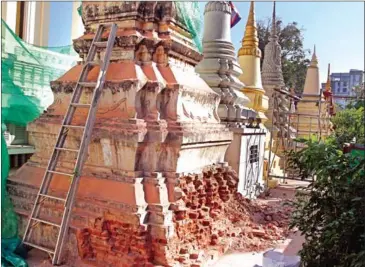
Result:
25,93
191,16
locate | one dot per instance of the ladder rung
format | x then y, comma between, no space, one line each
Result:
46,222
73,126
39,247
52,197
78,105
88,84
93,63
66,149
62,173
101,44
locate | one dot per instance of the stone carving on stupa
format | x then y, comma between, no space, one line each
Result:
272,77
153,188
219,67
249,56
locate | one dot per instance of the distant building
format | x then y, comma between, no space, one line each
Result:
342,84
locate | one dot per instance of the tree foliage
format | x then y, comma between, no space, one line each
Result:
359,93
293,54
348,124
330,212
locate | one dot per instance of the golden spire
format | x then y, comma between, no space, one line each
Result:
314,61
328,83
250,42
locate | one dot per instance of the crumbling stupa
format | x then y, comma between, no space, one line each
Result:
153,189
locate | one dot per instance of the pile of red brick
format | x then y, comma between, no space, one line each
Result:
262,223
211,216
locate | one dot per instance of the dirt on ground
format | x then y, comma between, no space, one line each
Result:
261,223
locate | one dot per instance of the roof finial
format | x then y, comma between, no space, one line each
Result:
314,61
250,42
328,83
251,15
273,25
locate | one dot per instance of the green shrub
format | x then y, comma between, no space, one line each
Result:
348,124
330,212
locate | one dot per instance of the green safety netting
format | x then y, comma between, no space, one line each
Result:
25,93
190,15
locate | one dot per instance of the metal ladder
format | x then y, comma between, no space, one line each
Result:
83,149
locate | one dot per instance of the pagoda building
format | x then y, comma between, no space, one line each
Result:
312,104
249,56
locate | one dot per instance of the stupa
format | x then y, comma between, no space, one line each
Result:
219,68
272,77
249,56
311,108
153,187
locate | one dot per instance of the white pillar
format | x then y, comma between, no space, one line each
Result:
9,13
36,23
77,27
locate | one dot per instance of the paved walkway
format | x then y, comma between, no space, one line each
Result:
290,247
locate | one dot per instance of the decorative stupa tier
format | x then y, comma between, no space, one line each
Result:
157,121
311,109
249,59
219,67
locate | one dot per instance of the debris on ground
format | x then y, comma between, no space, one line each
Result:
262,222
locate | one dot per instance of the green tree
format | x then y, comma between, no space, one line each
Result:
359,93
330,212
293,54
348,124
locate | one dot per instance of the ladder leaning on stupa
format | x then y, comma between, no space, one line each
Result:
81,152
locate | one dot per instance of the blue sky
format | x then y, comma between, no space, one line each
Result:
337,28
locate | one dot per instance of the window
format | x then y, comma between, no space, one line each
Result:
254,154
344,83
344,90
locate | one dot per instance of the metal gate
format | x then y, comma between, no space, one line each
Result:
252,162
